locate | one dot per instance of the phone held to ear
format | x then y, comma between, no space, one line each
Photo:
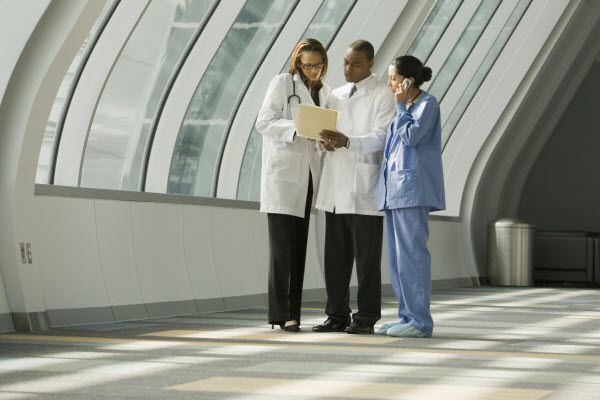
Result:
407,83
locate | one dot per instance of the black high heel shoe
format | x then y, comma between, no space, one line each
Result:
292,328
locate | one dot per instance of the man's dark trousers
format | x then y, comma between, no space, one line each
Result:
349,237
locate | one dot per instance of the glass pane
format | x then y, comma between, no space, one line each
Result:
462,48
65,90
433,28
129,102
326,22
483,69
323,27
205,123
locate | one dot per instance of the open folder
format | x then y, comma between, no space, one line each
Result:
311,120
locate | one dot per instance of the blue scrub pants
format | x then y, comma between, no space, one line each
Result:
407,231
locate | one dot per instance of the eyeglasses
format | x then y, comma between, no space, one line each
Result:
312,66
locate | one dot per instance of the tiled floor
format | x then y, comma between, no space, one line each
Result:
489,343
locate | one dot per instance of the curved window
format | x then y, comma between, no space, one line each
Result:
323,27
65,91
485,66
206,121
119,131
434,27
462,48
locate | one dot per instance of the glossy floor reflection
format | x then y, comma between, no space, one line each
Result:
489,343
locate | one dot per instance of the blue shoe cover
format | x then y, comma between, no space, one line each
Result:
384,328
405,330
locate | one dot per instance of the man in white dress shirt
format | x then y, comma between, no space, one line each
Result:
354,226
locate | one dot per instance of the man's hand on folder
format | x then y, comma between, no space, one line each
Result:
333,139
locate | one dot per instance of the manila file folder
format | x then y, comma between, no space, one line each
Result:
311,120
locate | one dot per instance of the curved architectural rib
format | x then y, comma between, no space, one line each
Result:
236,107
90,88
167,92
460,105
246,176
463,48
77,75
182,93
433,29
197,146
127,107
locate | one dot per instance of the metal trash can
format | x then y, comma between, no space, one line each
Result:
510,252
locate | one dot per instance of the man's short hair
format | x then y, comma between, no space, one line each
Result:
365,47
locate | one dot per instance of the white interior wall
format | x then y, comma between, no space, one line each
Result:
36,66
108,253
4,308
562,191
100,253
19,30
448,251
496,180
497,92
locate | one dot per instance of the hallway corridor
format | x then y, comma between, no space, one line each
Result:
489,343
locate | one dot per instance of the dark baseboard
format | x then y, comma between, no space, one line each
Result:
6,323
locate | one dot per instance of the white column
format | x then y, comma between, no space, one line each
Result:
46,36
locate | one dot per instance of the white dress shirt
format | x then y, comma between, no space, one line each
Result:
349,176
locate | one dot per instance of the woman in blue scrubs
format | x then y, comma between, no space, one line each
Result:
410,186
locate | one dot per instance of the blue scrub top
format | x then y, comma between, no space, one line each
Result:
411,173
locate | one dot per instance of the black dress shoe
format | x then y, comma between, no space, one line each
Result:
331,325
360,328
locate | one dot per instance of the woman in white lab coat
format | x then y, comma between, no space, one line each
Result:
290,176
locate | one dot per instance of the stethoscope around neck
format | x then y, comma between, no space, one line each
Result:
291,97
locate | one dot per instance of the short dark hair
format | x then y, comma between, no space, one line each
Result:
365,47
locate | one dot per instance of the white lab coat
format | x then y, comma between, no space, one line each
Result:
349,176
286,161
